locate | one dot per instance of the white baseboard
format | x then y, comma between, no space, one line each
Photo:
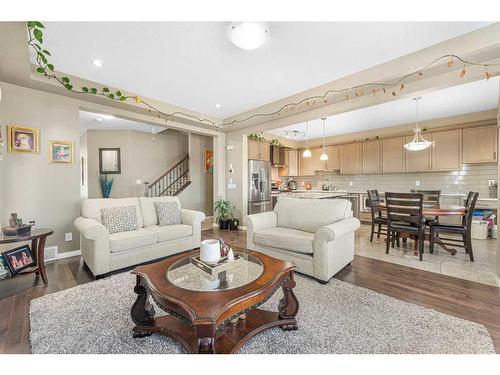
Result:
69,254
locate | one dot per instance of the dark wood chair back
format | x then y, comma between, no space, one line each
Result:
374,199
470,205
431,197
405,210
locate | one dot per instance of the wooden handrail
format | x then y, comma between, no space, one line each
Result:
170,170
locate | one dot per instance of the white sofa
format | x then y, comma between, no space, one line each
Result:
104,252
315,234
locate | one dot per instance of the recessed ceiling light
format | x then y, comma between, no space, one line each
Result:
107,117
217,105
98,119
97,63
247,35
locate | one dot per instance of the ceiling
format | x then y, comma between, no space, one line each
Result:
89,120
193,65
468,98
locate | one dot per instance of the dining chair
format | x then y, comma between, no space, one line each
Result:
405,216
431,199
464,230
377,217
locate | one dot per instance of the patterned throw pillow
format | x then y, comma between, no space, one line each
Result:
119,219
168,213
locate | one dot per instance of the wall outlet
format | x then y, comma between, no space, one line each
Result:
68,237
417,183
229,147
351,183
492,183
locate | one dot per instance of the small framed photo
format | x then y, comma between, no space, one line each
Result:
61,152
19,258
23,139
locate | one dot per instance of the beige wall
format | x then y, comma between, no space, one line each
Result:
29,184
199,195
142,158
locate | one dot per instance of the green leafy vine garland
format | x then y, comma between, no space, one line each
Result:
394,87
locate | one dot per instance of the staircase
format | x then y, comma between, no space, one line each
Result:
173,181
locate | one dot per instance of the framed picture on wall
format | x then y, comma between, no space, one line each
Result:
22,139
61,152
109,161
209,161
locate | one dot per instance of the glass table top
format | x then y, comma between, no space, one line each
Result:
184,274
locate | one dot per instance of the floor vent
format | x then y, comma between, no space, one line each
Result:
50,253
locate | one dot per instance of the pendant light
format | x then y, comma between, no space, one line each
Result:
324,155
307,153
418,143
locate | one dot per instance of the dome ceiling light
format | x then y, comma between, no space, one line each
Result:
247,35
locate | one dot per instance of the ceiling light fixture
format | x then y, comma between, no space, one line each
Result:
97,63
307,153
217,105
418,143
294,134
107,117
324,155
247,35
98,119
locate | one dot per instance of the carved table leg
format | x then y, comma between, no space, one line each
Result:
142,311
40,258
289,305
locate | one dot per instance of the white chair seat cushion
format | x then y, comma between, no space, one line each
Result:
171,232
286,238
129,240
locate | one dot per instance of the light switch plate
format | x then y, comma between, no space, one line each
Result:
68,237
351,183
231,186
229,147
417,183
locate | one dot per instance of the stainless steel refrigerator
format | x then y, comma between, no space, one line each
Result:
259,189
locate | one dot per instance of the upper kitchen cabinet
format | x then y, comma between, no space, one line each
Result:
393,155
480,145
372,156
305,165
259,150
350,158
293,163
333,162
318,164
418,161
447,150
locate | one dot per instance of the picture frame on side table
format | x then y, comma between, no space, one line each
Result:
23,139
19,259
61,152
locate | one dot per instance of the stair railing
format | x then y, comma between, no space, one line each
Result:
173,181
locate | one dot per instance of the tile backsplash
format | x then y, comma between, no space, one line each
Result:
471,177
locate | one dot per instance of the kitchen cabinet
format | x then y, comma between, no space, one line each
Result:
293,163
305,165
480,145
333,162
259,151
372,156
447,150
350,158
418,161
318,164
393,155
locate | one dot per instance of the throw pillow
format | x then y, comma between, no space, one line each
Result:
168,213
119,219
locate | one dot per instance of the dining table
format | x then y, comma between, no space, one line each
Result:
438,210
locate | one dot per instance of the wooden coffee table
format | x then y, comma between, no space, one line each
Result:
210,314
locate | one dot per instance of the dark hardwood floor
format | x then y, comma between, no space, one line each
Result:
465,299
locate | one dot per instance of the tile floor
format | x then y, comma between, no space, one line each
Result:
481,270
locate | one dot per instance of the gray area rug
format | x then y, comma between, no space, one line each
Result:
334,318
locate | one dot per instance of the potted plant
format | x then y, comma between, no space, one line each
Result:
222,207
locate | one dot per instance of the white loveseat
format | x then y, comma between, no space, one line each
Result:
104,252
315,234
